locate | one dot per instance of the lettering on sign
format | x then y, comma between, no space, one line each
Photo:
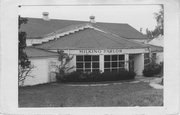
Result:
105,51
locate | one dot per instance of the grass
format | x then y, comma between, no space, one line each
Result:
61,95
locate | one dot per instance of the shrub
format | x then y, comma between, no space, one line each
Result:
96,76
152,69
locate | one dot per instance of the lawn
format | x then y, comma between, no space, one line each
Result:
62,95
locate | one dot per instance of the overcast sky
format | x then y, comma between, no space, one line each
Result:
138,16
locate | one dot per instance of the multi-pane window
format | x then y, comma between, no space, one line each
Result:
113,62
87,63
154,56
146,59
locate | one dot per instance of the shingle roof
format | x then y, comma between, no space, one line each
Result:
35,52
90,38
37,28
155,48
158,41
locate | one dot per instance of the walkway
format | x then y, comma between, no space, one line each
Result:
153,82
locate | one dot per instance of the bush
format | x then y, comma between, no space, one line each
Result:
152,69
96,76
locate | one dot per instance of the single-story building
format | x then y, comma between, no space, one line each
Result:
42,69
156,45
94,46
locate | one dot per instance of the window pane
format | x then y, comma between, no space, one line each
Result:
107,70
79,65
95,58
121,64
95,65
79,58
114,57
121,57
114,64
87,65
147,61
146,55
87,58
107,58
154,55
106,64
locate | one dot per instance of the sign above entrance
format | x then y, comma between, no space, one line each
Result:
105,51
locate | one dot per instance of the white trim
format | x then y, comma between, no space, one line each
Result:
126,61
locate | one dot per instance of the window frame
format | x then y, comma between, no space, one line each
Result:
117,60
94,59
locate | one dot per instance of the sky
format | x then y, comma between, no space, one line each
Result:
138,16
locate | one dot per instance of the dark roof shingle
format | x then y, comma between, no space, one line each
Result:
37,28
35,52
90,38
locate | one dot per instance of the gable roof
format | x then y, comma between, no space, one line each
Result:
90,38
37,28
33,52
158,41
155,48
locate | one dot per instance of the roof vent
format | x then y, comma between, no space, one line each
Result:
92,19
46,16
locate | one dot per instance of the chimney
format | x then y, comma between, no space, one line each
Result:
92,19
46,16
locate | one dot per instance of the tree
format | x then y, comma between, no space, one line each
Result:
63,67
23,60
23,73
159,29
149,33
24,67
159,16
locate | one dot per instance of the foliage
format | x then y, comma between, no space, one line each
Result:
23,61
63,67
160,21
152,69
23,73
159,29
97,76
24,67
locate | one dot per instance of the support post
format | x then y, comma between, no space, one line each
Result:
126,61
139,64
101,61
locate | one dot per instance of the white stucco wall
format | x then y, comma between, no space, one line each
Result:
139,64
45,69
42,71
39,72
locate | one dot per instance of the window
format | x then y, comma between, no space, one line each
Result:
146,59
154,56
87,63
113,62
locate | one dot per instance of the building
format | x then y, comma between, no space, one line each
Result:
157,48
94,46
